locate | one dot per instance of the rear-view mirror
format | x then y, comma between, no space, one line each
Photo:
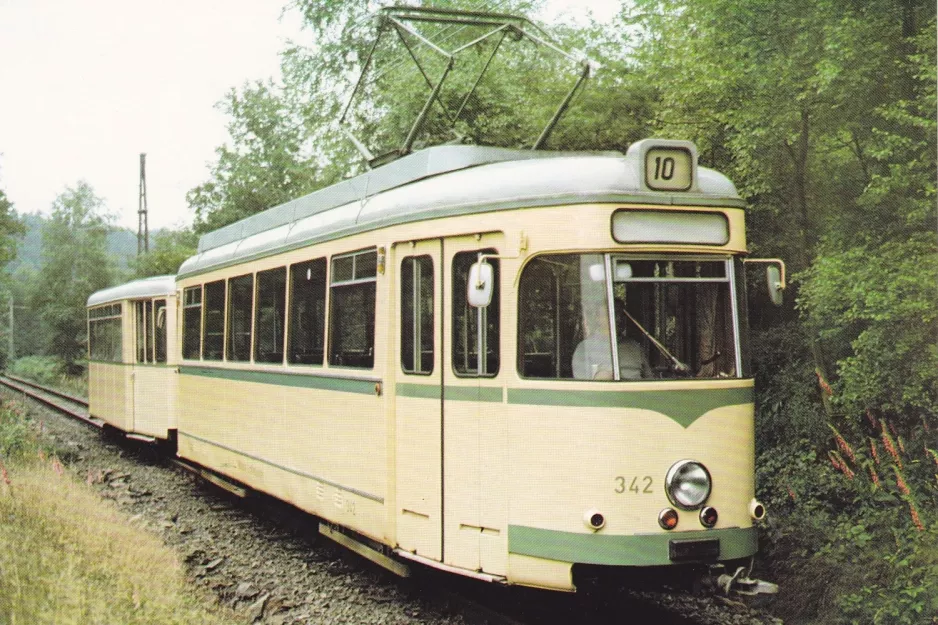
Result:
480,284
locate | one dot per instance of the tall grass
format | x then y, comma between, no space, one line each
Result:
69,557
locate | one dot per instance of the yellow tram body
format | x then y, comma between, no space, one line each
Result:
132,360
329,355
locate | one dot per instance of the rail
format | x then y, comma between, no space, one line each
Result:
52,398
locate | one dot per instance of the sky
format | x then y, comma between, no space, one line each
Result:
87,85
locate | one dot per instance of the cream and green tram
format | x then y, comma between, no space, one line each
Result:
516,366
131,365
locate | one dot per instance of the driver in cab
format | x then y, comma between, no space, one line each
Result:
592,359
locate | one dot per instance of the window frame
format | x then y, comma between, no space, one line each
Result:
259,278
292,316
417,328
187,306
357,280
459,292
236,291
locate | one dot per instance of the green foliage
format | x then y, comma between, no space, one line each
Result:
17,436
11,228
75,263
42,369
264,165
168,250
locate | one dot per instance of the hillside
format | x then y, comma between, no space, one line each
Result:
122,244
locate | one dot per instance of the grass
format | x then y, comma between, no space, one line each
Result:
50,371
68,556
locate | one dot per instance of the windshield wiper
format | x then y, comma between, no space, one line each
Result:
678,365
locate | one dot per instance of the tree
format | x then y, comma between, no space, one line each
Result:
75,263
11,228
263,165
170,248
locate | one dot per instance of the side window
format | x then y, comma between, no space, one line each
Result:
352,310
159,324
140,330
466,320
240,301
105,333
191,322
213,342
417,315
307,333
271,310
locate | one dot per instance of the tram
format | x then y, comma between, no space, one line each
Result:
521,366
131,357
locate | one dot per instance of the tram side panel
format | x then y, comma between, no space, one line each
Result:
314,436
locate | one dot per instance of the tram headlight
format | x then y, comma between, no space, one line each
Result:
688,484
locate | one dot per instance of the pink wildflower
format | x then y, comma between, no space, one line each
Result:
872,419
791,493
57,466
933,454
843,444
901,444
823,383
891,447
915,517
873,451
4,475
840,464
874,476
901,485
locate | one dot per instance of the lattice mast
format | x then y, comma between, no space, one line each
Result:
143,231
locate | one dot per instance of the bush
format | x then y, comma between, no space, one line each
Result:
51,371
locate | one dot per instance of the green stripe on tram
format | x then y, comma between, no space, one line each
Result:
635,550
683,405
488,394
295,380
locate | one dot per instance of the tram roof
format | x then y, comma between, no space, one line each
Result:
444,181
147,287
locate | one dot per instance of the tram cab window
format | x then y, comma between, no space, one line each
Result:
213,341
159,323
271,309
668,318
240,304
307,335
417,315
352,310
191,322
466,346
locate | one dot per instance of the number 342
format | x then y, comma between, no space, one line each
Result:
637,485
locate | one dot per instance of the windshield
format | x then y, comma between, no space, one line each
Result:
670,318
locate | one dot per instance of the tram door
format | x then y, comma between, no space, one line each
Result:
150,395
418,409
474,428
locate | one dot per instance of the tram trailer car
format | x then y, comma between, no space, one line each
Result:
132,357
524,367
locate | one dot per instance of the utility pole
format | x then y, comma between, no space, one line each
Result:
143,232
11,342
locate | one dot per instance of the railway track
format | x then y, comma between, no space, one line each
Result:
473,601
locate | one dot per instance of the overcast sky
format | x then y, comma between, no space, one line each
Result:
87,85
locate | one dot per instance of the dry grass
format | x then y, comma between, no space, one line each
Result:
67,557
